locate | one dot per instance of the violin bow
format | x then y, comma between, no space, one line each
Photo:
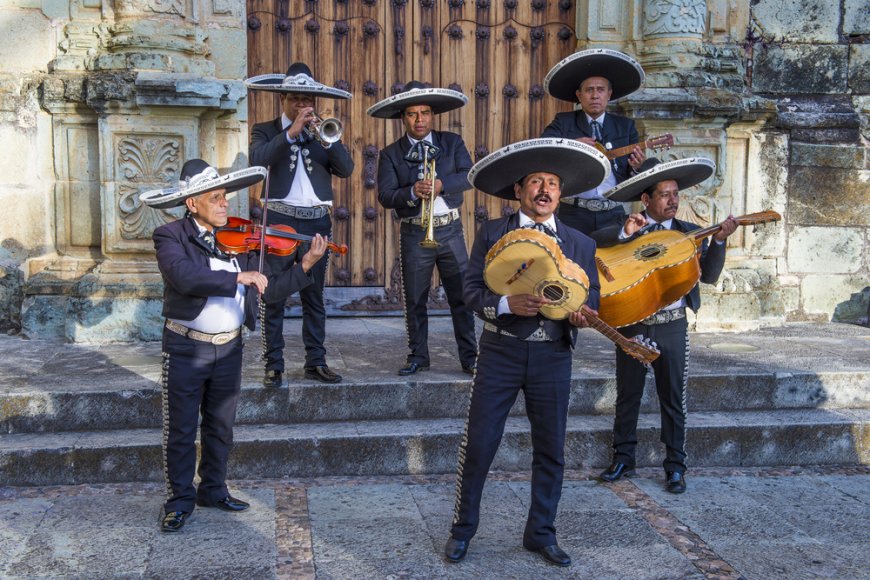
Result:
263,219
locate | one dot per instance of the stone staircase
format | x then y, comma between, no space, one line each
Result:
92,414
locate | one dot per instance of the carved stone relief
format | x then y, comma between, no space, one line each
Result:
144,162
674,18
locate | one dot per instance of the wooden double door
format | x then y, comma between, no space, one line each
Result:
497,52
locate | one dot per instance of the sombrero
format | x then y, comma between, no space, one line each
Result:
416,93
623,72
198,177
686,172
297,80
580,166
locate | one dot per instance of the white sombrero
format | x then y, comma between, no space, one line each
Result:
416,93
297,80
686,172
623,72
199,177
580,166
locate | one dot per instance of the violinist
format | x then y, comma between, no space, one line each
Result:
300,195
208,296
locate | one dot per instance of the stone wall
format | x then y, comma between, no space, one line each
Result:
99,101
812,58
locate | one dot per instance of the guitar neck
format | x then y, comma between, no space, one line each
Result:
605,329
614,153
744,220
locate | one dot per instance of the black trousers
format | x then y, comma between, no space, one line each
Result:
585,221
543,371
199,379
313,309
671,375
418,263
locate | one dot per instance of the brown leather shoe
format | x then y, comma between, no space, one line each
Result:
322,373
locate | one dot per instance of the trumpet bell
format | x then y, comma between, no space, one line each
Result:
329,130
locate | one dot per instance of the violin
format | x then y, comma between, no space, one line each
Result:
240,235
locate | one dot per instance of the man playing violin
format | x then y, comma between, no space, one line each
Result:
593,78
300,196
403,186
208,296
658,188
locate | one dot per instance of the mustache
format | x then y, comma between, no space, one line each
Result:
541,196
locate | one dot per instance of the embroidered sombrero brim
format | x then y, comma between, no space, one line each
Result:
203,183
686,172
624,73
441,101
300,83
580,166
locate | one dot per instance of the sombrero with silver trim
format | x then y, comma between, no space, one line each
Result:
416,93
686,172
199,177
580,166
624,73
297,80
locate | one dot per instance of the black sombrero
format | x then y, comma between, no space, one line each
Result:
297,80
686,172
623,72
580,166
199,177
416,93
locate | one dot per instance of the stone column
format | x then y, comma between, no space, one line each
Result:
134,91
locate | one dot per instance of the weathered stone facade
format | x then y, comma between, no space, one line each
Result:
101,99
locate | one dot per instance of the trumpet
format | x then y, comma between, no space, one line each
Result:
327,131
427,206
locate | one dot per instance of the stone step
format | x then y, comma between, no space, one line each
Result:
47,408
429,446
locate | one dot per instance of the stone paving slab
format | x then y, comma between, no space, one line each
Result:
732,523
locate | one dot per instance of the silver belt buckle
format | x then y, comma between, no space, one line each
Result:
222,338
595,205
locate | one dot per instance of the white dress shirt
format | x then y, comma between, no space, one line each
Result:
440,205
301,192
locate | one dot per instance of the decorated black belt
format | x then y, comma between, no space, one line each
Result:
592,204
218,338
540,335
439,220
664,316
302,213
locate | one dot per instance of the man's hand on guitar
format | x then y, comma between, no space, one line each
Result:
727,228
579,319
636,158
526,304
634,222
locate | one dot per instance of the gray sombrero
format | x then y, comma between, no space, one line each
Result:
199,177
416,93
686,172
580,166
297,80
623,72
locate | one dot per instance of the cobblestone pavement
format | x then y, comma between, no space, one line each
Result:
810,522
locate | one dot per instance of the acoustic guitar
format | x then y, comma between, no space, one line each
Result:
642,276
665,141
528,261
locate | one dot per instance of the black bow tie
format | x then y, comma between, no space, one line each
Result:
547,230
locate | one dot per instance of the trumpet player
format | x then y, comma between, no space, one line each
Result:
422,177
302,157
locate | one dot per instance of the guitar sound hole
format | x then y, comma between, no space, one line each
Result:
649,252
553,293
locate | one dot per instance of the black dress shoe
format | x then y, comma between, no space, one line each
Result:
555,555
227,504
322,373
173,521
454,550
676,481
615,472
469,369
412,368
272,379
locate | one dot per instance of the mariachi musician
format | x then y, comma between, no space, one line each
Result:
593,78
208,296
427,169
520,349
658,187
301,161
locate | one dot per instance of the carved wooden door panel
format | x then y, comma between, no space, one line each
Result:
495,51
